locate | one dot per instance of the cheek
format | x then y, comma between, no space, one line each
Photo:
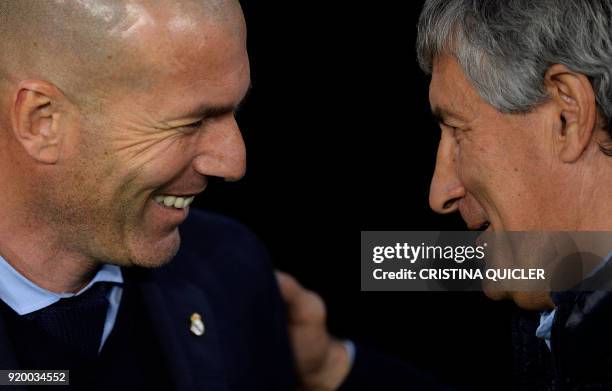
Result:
488,175
475,165
164,167
155,158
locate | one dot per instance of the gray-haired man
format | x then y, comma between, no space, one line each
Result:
522,92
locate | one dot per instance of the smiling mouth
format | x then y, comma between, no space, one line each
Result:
170,201
485,225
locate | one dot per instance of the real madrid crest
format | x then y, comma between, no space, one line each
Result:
197,325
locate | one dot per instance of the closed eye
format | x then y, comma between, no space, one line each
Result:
452,129
195,125
198,124
455,131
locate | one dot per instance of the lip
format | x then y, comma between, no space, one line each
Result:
177,193
474,215
474,223
181,195
180,191
479,226
170,215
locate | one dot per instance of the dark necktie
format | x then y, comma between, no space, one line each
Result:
77,321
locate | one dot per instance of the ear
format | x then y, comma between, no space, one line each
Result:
37,120
572,93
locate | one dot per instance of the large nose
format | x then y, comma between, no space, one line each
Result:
446,189
221,150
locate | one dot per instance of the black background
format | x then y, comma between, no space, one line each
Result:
340,140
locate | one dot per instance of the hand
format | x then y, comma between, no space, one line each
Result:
322,361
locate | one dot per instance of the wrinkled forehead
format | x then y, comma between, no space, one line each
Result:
450,88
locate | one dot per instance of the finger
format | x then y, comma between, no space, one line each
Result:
310,308
289,287
303,305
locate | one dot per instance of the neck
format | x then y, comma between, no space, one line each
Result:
35,249
593,199
33,242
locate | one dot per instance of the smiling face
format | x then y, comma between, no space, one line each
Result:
498,170
145,152
503,172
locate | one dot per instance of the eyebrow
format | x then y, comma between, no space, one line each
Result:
204,111
441,114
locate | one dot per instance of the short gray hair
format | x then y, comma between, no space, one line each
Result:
506,46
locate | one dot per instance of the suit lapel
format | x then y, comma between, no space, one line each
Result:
195,361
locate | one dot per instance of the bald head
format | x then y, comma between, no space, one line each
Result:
105,106
86,46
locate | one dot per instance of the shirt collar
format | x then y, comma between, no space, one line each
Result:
24,296
547,317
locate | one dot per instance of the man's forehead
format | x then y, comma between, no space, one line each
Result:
178,41
450,92
193,80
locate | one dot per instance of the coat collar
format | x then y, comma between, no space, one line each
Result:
581,338
195,362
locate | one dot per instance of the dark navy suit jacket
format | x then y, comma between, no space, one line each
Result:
223,273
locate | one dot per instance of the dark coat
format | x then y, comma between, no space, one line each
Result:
581,341
223,273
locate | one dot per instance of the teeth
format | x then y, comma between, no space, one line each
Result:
179,202
172,201
169,200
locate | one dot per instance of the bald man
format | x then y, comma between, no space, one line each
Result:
113,115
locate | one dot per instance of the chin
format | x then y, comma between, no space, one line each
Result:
531,301
150,254
534,301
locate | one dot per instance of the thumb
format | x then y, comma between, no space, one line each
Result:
289,287
303,306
